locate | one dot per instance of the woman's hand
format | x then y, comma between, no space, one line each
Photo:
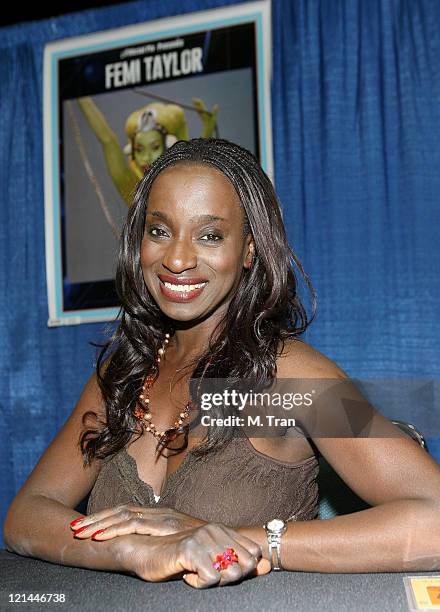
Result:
129,519
208,118
191,554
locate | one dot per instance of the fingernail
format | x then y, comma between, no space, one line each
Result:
97,533
76,521
80,529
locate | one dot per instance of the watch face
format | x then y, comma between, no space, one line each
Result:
275,525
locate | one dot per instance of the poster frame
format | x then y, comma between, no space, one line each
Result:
257,12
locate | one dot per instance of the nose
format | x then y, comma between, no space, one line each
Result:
180,256
150,157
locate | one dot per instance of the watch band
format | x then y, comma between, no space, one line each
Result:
274,530
274,542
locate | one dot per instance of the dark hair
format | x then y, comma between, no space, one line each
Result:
265,310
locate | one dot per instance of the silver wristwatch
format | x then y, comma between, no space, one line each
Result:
274,530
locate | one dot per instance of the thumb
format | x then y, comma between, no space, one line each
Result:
193,580
190,579
263,567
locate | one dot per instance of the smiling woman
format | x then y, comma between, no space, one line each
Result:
208,287
177,243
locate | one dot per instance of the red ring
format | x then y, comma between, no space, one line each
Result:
225,559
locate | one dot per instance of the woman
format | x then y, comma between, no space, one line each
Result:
150,131
205,216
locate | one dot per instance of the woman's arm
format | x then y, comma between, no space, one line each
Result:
208,118
391,472
38,521
400,533
121,175
37,526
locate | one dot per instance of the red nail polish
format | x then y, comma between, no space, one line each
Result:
76,521
97,532
80,529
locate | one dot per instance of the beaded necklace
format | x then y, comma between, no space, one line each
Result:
142,410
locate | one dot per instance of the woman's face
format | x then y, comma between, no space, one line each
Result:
148,146
193,251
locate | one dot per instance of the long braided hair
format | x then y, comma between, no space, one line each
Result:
265,311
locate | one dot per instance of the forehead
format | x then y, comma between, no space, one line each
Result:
194,186
148,136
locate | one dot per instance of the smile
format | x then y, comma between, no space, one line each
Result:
183,288
180,292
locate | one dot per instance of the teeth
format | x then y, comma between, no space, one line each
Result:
184,288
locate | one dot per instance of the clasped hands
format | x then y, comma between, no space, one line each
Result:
178,545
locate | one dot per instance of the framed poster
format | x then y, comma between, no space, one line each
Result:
113,102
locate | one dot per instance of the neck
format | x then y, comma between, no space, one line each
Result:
190,339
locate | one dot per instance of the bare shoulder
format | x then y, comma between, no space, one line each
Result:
300,360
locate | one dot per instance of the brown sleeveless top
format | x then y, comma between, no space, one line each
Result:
238,486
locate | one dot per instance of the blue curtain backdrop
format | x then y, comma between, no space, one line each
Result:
356,108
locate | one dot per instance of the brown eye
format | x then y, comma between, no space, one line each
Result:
211,238
156,232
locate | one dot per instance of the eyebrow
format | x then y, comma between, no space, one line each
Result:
196,218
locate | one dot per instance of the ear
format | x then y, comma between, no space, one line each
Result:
250,251
170,140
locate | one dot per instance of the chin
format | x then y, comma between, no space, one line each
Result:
181,315
186,313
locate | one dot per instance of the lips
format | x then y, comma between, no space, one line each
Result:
168,288
165,278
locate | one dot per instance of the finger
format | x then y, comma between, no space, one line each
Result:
198,555
252,547
199,105
263,567
130,526
245,564
201,574
234,572
154,521
215,540
246,561
96,517
85,531
198,582
161,524
203,579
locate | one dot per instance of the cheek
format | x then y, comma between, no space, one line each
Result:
140,154
147,257
227,264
